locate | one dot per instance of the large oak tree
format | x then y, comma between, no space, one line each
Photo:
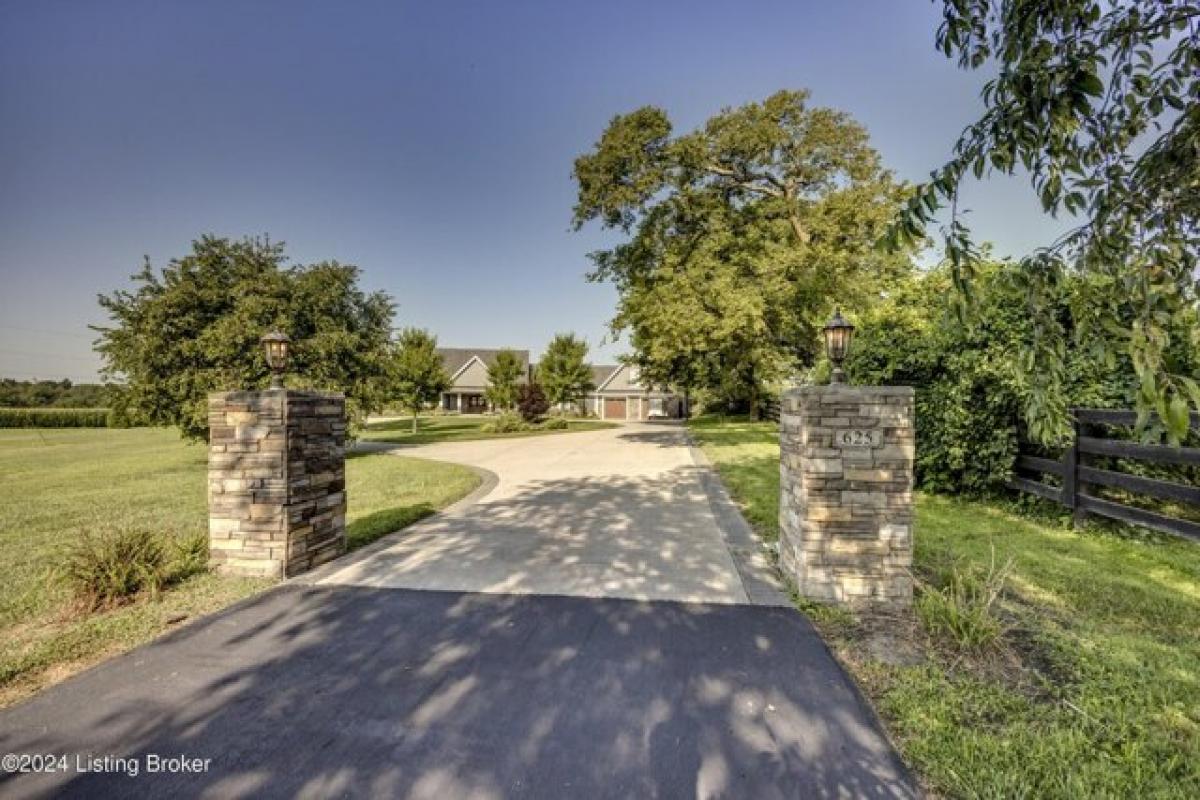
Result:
741,237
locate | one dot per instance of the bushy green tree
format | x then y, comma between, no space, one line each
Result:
563,371
418,375
742,236
968,390
1099,103
973,384
193,327
504,374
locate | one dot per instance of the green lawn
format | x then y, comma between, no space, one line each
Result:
1095,689
57,483
456,428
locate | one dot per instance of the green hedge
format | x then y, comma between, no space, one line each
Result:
54,418
973,394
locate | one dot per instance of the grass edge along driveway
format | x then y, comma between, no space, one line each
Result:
461,428
60,482
1094,687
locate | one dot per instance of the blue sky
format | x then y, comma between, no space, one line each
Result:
430,144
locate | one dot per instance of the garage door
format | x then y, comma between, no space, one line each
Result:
614,408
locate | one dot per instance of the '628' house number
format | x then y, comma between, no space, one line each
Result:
853,437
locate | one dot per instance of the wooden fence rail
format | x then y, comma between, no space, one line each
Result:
1076,475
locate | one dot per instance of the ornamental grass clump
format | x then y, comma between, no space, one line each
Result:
963,608
109,568
190,557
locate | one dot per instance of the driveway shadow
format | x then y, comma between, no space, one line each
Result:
367,529
661,434
350,691
641,537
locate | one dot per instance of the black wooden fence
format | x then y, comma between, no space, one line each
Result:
1078,474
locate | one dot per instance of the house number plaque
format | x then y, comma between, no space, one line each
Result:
854,437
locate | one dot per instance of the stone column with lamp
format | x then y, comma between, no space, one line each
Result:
846,479
276,475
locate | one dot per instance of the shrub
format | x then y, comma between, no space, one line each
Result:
968,397
54,417
108,568
532,402
505,423
962,609
190,556
973,394
555,424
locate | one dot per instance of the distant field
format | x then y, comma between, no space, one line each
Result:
458,428
57,483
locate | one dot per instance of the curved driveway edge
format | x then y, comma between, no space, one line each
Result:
621,512
488,481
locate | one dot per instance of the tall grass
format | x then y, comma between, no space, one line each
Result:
960,606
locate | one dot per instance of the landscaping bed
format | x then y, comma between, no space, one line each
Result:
61,484
1091,686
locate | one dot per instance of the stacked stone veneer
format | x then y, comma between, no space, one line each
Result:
276,480
846,475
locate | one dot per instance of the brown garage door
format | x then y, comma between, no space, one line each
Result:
614,408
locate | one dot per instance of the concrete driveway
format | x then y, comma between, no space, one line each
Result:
622,512
596,625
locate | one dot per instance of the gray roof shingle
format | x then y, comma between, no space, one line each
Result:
600,373
455,358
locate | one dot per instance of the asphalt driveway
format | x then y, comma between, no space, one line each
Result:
597,624
348,691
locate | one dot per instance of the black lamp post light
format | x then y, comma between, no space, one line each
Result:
838,333
275,345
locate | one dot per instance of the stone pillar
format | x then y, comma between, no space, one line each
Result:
276,480
845,506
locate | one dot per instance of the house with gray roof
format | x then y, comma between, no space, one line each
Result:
617,394
468,371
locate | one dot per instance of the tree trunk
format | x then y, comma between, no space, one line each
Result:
802,235
414,430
